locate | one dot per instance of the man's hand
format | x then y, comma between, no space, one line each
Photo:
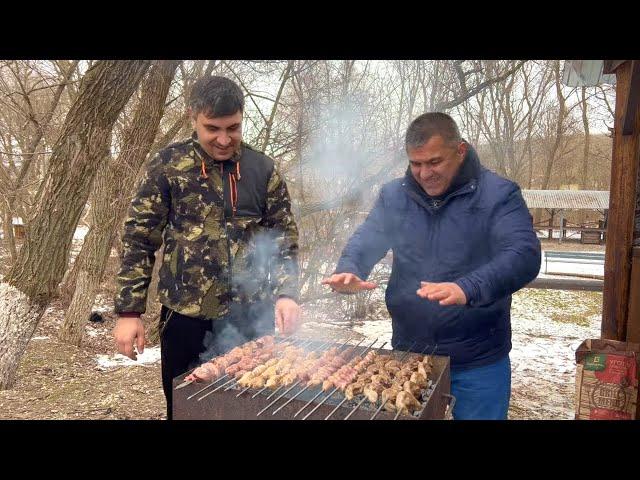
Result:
448,293
129,329
287,315
347,283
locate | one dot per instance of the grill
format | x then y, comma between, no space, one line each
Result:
225,399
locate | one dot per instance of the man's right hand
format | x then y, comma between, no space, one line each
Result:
129,329
347,283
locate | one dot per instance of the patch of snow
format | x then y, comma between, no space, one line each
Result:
92,332
80,233
39,338
151,355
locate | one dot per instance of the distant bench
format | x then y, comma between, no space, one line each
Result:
592,258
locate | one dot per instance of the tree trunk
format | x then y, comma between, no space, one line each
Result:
111,200
75,159
585,124
562,113
8,235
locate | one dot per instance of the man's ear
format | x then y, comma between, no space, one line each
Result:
462,148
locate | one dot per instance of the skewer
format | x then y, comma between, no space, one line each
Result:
319,393
189,382
345,398
364,398
292,398
278,389
295,384
299,346
207,387
320,347
329,396
310,401
226,383
385,402
309,342
397,414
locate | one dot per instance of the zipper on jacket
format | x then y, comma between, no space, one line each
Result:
230,273
226,193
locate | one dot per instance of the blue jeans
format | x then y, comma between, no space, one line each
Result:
482,393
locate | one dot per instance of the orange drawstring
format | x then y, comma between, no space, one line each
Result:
204,170
232,182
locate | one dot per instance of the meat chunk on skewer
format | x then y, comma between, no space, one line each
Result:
353,389
419,379
413,388
407,403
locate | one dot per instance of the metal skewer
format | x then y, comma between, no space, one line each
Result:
398,414
327,398
385,402
291,388
282,386
310,401
320,347
284,393
292,398
227,382
207,387
299,346
189,382
309,342
364,397
248,388
345,398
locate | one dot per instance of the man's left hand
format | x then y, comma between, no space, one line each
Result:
287,316
446,292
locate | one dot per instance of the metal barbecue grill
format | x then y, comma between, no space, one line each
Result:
225,399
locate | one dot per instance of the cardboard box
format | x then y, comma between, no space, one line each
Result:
607,380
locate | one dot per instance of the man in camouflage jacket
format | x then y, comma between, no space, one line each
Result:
223,212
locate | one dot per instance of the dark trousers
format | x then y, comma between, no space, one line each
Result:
185,342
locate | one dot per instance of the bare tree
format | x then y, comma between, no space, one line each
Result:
111,199
76,157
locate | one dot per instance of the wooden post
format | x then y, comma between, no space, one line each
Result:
624,170
552,212
633,322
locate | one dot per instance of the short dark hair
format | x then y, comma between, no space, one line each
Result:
216,97
429,124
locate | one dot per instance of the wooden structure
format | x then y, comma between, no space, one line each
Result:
558,202
621,296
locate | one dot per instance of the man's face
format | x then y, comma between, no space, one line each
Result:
220,137
435,164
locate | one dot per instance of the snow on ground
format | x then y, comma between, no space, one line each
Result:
149,356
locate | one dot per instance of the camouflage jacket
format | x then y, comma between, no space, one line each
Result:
228,232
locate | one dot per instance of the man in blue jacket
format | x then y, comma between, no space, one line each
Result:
463,243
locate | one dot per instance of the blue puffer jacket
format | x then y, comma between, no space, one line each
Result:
479,236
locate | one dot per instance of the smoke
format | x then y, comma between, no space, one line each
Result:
341,149
251,314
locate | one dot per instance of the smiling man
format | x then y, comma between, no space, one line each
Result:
463,243
222,210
